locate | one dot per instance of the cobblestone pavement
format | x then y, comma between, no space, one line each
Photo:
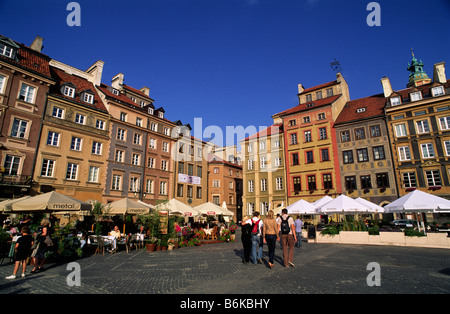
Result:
217,269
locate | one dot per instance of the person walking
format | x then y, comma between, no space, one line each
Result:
257,226
298,231
22,252
43,240
270,233
288,237
246,238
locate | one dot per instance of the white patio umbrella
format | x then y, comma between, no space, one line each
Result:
343,205
6,205
374,208
212,209
174,206
322,201
50,202
127,206
418,201
302,207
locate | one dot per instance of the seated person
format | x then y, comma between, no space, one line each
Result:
115,232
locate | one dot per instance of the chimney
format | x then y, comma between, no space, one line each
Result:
439,73
387,88
36,45
300,88
96,71
145,90
117,81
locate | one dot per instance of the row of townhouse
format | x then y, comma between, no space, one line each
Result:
64,130
378,147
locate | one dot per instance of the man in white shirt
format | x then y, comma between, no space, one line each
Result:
257,249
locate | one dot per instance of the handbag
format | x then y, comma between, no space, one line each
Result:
48,241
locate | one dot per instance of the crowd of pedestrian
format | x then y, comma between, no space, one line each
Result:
256,232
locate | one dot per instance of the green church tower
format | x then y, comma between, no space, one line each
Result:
417,76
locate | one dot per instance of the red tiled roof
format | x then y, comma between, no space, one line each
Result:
316,103
319,87
81,85
273,129
373,106
30,60
425,89
134,90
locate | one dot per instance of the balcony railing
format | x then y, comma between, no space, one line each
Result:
23,180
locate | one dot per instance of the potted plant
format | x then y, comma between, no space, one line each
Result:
163,244
158,245
150,244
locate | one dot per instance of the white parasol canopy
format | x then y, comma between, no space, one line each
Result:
322,201
127,206
6,205
343,205
302,207
418,201
50,202
174,206
374,208
212,209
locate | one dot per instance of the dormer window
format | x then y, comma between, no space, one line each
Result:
150,110
115,91
360,110
161,115
395,101
88,97
437,91
69,91
6,51
415,96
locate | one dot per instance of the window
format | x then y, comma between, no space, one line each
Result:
360,134
93,174
404,153
119,157
308,137
58,112
262,162
322,133
53,138
447,147
136,159
309,157
166,131
76,143
295,159
362,154
47,167
2,83
96,148
190,191
71,173
199,192
199,171
216,199
378,153
361,110
11,165
180,188
422,126
347,156
293,138
100,124
278,162
6,51
400,130
165,147
161,114
350,183
89,98
321,116
19,128
250,147
327,183
251,185
134,184
311,182
139,122
345,136
137,139
433,178
121,134
395,101
250,164
437,91
152,143
164,165
375,131
319,95
427,150
163,188
366,182
382,180
325,154
69,91
151,162
306,119
329,92
444,122
190,169
123,117
116,182
230,185
297,184
409,179
262,145
292,122
263,185
279,183
308,98
264,208
27,93
80,118
149,186
415,96
154,126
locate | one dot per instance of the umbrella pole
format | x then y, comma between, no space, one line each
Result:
123,223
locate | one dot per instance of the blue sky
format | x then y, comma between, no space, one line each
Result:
236,62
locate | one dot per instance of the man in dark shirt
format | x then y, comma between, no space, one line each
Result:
22,251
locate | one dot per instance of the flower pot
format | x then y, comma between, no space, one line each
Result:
158,247
170,247
163,248
150,247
